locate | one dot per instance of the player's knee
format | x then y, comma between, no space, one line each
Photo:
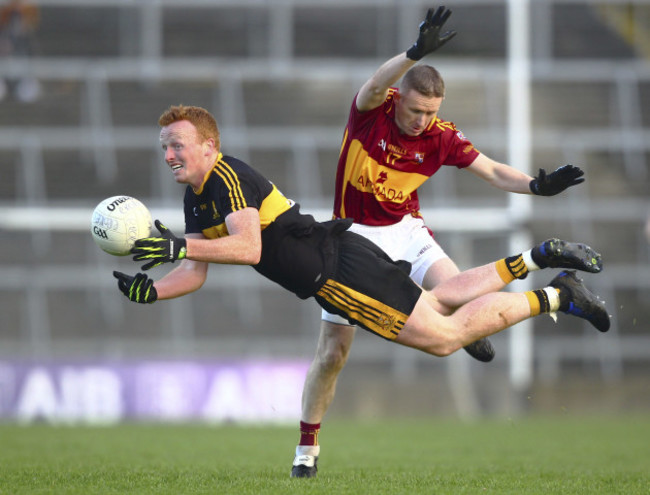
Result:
443,347
444,350
440,305
444,309
333,357
333,360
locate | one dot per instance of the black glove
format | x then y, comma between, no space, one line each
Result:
557,181
164,249
430,39
138,289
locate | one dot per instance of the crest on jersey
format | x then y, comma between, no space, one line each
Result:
419,157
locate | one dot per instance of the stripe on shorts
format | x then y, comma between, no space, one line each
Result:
368,312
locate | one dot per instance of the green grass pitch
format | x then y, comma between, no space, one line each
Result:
562,455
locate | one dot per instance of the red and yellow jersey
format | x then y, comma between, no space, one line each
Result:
380,169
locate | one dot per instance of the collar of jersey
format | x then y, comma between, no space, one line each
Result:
207,175
433,123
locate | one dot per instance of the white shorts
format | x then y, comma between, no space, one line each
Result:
409,240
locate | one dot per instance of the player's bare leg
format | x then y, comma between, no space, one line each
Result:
439,272
331,355
444,270
465,287
431,332
453,292
470,284
318,392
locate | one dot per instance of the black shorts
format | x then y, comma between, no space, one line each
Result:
368,288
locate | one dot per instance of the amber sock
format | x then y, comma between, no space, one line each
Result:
545,300
511,268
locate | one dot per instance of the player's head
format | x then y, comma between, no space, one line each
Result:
424,79
205,123
190,139
420,95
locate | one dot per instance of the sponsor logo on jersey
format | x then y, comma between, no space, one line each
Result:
380,191
396,149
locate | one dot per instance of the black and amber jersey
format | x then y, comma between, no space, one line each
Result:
296,250
230,186
347,274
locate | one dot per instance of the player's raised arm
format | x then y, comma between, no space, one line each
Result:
374,91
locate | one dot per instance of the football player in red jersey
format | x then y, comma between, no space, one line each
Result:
393,142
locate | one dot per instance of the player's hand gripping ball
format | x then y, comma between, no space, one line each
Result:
158,250
118,222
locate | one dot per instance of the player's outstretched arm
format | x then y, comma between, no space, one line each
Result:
500,175
510,179
188,277
374,91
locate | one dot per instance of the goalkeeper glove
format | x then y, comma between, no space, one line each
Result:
429,38
164,249
557,181
138,289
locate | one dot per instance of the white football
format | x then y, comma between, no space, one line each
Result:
118,222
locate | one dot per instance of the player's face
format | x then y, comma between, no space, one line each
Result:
414,112
185,153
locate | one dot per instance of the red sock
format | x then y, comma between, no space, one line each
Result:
309,433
